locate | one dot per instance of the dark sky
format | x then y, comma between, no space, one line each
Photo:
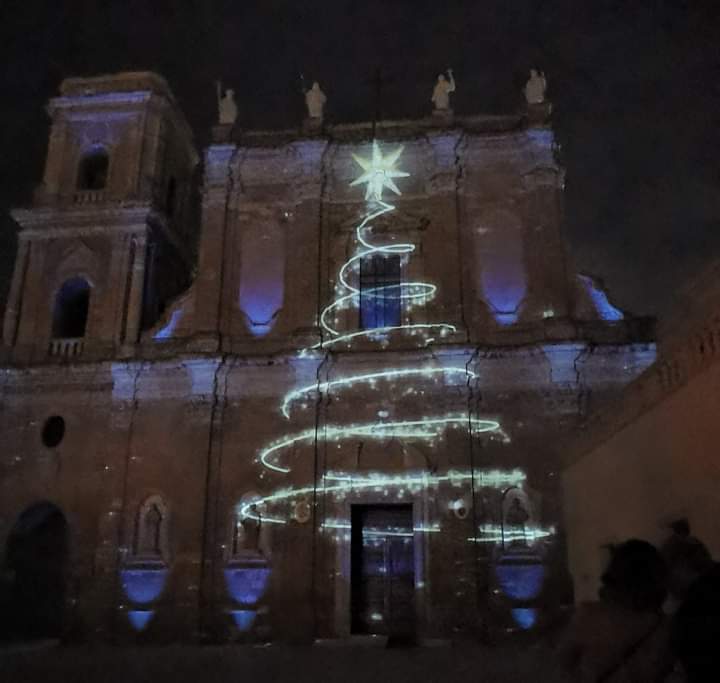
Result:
635,86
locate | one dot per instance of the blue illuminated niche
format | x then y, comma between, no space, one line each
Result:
604,308
262,276
247,585
140,618
244,618
520,581
169,329
524,617
502,276
143,586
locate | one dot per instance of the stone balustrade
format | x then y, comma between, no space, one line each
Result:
89,197
66,348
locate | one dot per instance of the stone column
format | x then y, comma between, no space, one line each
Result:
12,312
550,280
137,281
59,153
121,262
218,186
34,322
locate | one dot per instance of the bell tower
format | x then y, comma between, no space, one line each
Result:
110,236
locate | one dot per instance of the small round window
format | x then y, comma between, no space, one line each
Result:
53,431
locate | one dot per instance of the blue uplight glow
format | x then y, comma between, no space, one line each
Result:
243,618
604,308
262,277
503,276
524,617
247,585
168,330
140,618
506,318
142,586
520,581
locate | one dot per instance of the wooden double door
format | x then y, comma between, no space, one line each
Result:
383,570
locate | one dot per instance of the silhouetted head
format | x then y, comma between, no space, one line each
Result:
681,527
696,627
687,559
635,577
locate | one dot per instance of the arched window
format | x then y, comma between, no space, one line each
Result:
71,309
151,533
93,170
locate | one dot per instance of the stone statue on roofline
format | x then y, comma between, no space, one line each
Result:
227,109
441,93
535,87
315,101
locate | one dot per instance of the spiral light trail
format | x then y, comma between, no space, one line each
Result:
379,173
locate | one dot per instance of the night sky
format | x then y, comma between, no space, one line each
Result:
635,86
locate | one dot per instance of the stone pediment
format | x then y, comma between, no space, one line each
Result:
78,258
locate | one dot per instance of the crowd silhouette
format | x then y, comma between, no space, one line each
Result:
657,617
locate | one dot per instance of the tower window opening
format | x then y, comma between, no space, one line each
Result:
93,170
380,291
71,309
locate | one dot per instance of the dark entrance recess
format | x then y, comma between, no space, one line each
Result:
53,431
92,173
71,309
383,571
32,598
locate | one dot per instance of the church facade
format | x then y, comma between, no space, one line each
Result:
319,395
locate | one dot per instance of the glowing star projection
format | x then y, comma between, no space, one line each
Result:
379,172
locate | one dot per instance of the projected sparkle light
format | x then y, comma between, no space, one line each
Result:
425,429
277,507
369,378
379,173
338,485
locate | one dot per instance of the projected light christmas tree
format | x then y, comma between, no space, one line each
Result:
381,395
378,174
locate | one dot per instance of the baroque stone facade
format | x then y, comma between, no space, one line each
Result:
244,430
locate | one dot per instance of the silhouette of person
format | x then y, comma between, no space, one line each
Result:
695,629
694,584
624,636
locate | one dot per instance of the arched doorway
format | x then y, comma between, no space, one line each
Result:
35,570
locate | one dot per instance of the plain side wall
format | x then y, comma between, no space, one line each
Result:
662,466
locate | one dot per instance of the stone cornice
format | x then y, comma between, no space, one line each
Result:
352,133
52,222
553,367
